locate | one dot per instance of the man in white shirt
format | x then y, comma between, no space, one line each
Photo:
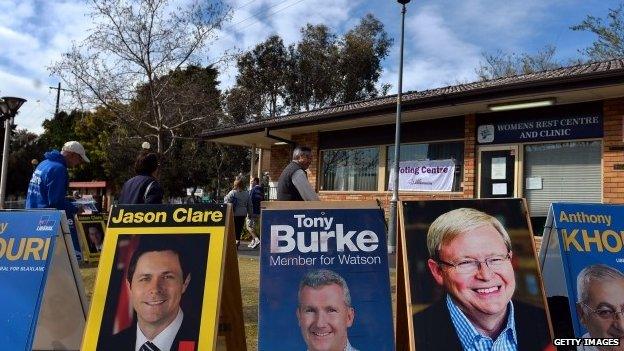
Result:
157,278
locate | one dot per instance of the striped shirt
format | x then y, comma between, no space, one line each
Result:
472,340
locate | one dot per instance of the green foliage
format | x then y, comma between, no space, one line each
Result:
610,33
25,148
320,70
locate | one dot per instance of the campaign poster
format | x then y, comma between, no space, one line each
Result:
91,229
161,266
590,243
324,280
27,242
469,263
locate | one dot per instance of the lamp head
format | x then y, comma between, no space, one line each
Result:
403,2
9,105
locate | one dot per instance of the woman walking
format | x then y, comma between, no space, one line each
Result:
239,198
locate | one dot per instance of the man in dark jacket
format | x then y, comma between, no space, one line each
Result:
143,188
293,184
49,182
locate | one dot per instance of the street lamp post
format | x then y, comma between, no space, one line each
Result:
8,110
392,227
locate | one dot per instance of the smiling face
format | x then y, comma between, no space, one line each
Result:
484,293
604,296
156,290
324,317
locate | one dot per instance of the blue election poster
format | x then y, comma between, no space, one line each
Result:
324,281
591,237
26,246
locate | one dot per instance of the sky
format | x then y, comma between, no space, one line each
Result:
444,39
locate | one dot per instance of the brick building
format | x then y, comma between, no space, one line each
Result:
547,136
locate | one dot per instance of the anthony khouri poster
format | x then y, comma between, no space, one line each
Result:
587,246
324,281
159,279
470,265
27,242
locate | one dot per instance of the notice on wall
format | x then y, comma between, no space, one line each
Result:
425,175
499,168
499,189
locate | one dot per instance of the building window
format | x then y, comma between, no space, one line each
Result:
350,169
431,151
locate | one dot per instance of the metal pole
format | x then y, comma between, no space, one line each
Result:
392,227
5,160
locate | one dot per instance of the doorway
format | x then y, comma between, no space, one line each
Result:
497,172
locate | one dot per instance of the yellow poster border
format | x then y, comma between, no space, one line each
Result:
82,238
212,289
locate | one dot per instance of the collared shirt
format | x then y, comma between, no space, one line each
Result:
472,340
164,340
349,347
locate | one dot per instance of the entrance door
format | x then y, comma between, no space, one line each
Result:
497,172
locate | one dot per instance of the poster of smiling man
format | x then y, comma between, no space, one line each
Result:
324,282
160,279
472,276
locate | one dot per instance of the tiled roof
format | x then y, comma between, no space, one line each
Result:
572,73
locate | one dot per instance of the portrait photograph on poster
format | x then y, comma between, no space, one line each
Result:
91,229
324,280
584,271
154,285
159,283
471,276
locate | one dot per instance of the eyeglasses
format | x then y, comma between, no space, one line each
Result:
471,266
605,313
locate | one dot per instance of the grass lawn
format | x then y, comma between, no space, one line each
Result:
249,269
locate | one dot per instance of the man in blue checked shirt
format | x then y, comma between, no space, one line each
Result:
470,257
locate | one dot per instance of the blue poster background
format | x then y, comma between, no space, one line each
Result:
592,218
22,274
369,284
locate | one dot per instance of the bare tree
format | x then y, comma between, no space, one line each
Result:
502,64
131,49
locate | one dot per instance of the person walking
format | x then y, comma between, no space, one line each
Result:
143,188
241,204
256,193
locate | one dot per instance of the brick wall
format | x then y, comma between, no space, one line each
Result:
613,151
281,155
470,159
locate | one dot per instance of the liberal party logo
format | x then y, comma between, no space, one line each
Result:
485,133
45,223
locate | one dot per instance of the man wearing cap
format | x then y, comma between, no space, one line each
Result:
49,182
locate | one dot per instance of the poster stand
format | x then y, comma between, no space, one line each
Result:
201,236
415,217
40,279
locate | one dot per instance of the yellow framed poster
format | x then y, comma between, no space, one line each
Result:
160,278
91,229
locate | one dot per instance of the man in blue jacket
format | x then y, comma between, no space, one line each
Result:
49,182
